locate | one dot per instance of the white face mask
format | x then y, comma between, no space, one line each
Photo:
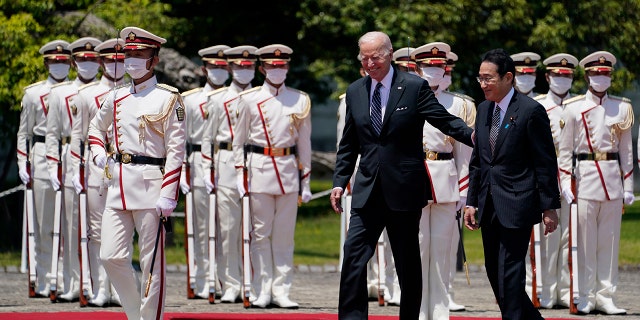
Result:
525,82
59,71
87,69
445,83
277,76
599,83
243,76
116,72
136,67
559,85
218,76
433,75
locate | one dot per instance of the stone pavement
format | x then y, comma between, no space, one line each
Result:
315,288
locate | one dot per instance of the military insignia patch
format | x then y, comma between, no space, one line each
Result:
180,113
74,109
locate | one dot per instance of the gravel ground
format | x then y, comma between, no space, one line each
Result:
315,288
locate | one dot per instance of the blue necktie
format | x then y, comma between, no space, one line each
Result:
376,109
495,128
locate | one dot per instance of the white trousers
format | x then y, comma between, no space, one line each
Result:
437,225
273,219
95,208
118,226
455,246
200,221
69,226
228,255
44,197
598,247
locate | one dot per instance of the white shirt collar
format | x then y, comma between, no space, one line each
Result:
504,103
386,81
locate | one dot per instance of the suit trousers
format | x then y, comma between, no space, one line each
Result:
365,226
504,253
118,226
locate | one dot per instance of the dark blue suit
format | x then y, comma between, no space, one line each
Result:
391,185
511,188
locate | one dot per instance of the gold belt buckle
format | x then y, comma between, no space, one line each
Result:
126,158
599,156
277,152
432,155
65,140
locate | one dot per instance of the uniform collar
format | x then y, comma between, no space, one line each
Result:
109,83
233,87
557,100
150,83
592,97
273,90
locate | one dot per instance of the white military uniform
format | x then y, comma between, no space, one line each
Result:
220,132
447,163
276,120
91,98
62,111
31,133
598,131
197,113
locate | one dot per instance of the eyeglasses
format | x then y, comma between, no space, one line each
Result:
488,80
374,58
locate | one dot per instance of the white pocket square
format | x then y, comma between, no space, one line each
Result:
402,108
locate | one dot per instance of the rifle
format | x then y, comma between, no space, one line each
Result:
461,247
188,225
56,232
573,245
246,224
213,207
30,222
162,220
83,250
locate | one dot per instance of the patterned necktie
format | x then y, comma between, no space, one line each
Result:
495,128
376,109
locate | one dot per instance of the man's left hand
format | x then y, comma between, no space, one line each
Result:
336,198
165,206
550,220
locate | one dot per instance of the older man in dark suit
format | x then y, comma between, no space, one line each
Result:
385,115
513,181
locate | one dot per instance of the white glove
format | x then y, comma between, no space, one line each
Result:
100,160
55,183
240,182
24,175
76,183
207,184
306,194
184,186
628,197
460,204
165,206
568,195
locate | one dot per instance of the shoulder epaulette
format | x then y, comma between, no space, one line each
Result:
192,91
576,98
34,84
540,97
250,90
299,91
342,96
216,91
461,95
87,85
623,99
64,83
168,88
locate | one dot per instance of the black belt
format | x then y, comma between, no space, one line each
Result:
225,146
433,155
37,138
274,152
136,159
597,156
195,147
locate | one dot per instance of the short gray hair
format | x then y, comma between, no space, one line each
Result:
377,36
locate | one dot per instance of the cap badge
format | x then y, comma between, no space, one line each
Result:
118,47
88,46
563,62
245,54
434,50
527,60
59,48
277,52
220,53
602,60
132,36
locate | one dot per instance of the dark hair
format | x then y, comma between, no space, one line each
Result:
500,58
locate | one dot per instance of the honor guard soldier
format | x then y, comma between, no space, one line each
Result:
31,149
447,163
62,111
197,114
273,141
526,63
554,247
404,62
92,97
217,153
595,145
451,63
147,122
